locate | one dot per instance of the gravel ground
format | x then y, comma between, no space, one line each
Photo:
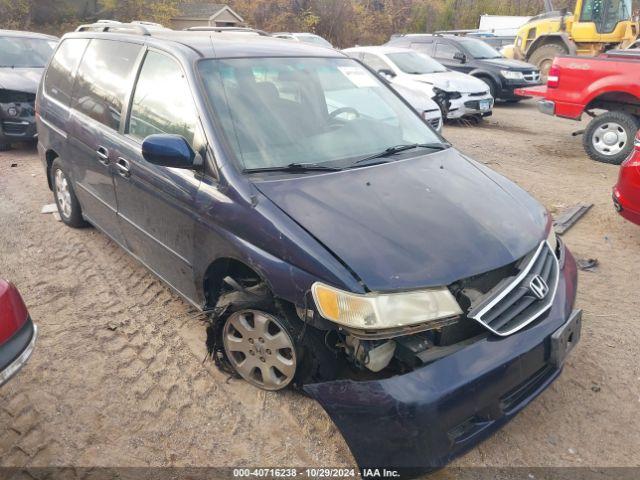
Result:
119,376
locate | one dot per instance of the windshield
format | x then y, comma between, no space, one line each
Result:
314,39
20,52
330,111
415,63
606,14
478,49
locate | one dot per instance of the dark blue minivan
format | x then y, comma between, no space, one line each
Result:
338,243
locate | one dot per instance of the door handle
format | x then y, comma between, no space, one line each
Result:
103,155
124,167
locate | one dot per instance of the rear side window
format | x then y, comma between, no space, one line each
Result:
104,78
162,102
60,74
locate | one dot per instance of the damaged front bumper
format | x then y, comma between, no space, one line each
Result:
17,122
420,421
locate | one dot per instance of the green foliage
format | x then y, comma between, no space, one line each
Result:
343,22
15,14
159,11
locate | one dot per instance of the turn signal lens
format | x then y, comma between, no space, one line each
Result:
379,311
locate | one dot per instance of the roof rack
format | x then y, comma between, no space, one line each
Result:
227,29
113,26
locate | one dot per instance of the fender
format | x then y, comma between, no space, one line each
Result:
559,37
479,72
285,255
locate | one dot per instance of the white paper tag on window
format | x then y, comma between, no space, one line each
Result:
359,77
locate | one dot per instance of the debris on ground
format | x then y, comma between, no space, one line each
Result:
113,326
56,215
587,264
14,165
49,208
568,217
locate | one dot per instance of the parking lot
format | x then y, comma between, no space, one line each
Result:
120,375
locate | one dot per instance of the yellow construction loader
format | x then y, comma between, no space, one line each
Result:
594,27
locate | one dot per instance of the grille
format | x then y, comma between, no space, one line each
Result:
533,76
14,128
518,300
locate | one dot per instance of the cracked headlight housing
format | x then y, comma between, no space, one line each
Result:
374,311
552,239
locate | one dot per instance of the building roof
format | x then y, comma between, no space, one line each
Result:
202,10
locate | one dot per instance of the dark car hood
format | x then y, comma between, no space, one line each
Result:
417,222
21,79
508,64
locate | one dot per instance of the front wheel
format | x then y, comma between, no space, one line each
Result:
609,137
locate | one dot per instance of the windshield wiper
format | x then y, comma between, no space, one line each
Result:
294,168
400,148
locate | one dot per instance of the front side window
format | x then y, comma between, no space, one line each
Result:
478,49
423,47
21,52
415,63
104,78
162,102
329,111
61,72
446,51
374,62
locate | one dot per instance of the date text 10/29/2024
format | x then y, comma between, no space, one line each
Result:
315,473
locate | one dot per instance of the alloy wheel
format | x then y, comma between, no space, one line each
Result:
63,194
260,349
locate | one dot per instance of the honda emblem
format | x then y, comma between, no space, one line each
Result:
539,287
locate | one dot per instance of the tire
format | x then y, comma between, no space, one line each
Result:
313,360
609,137
543,57
65,198
493,88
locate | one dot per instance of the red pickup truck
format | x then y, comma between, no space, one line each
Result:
609,83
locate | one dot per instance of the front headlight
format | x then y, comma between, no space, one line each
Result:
379,311
512,75
552,239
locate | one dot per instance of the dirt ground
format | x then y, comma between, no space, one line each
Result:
119,376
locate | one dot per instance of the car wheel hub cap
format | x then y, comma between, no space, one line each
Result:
63,194
610,139
260,349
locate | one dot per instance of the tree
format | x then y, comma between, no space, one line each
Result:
160,11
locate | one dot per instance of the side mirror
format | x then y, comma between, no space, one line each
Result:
169,151
386,72
461,57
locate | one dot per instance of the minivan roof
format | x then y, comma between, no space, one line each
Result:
18,33
211,44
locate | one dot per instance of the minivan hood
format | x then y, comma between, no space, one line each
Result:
413,223
508,64
20,79
452,81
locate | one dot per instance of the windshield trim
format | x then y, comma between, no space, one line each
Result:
229,155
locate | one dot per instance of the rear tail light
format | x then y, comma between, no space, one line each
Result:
553,78
13,312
